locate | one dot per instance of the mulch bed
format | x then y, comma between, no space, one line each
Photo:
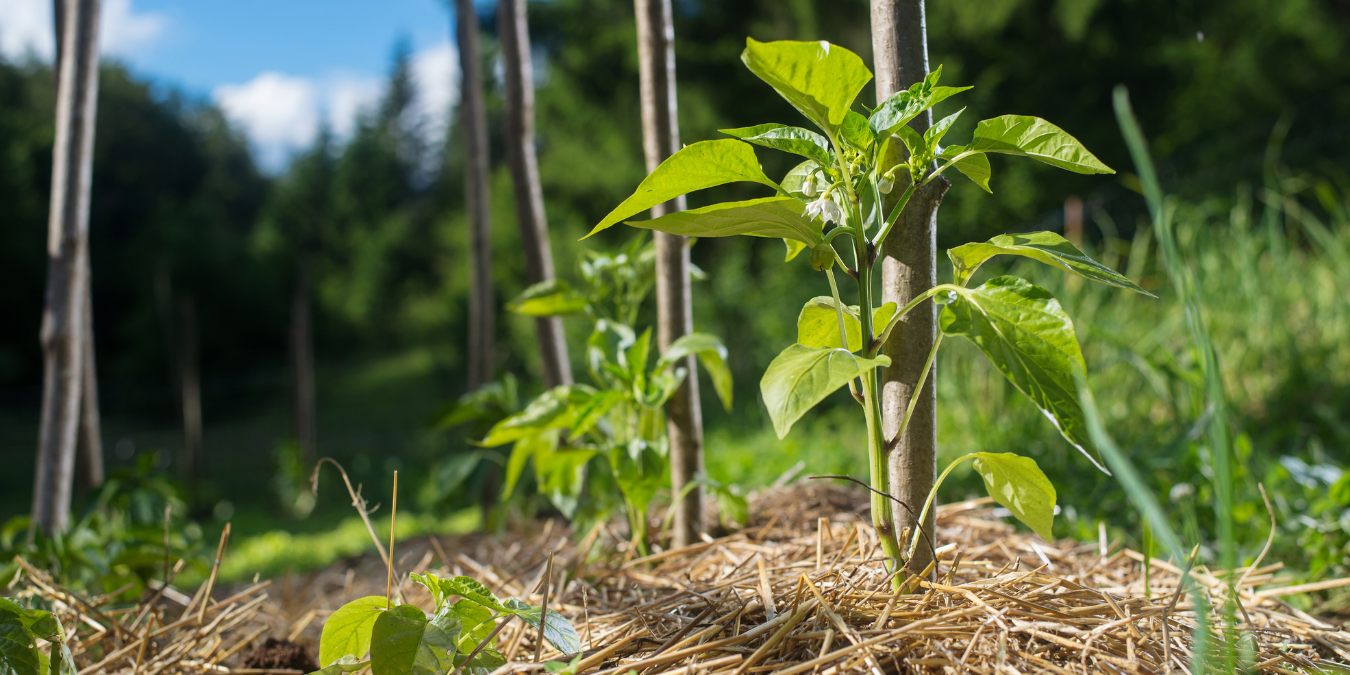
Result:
802,590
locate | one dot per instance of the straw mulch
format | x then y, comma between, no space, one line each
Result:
802,591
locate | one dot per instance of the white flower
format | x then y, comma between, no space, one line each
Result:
825,209
809,187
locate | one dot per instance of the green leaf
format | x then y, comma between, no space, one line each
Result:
900,108
974,166
551,297
1029,338
18,651
935,133
711,353
1035,138
1046,247
432,584
695,167
819,79
594,411
557,630
793,248
855,131
554,409
818,323
795,140
469,589
521,452
346,664
1019,485
477,623
403,642
562,476
768,217
347,631
800,377
640,469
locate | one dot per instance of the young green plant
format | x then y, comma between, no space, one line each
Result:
844,191
618,420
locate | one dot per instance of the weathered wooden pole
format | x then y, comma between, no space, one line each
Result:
190,389
674,309
908,268
64,315
303,404
514,29
473,119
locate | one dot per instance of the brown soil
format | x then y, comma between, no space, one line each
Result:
274,654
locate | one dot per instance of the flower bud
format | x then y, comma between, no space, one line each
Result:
885,184
822,257
809,187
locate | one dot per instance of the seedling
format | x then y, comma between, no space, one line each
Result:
458,636
844,191
621,418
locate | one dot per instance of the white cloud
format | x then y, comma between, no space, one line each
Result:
278,112
282,113
27,29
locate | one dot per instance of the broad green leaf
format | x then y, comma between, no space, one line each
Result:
562,476
913,141
818,323
1035,138
768,217
347,631
403,642
594,411
471,590
346,664
795,140
974,166
432,584
800,377
477,623
935,133
551,297
521,452
640,469
45,625
819,79
1019,485
553,409
1046,247
711,353
794,247
557,630
1029,338
900,108
855,131
18,653
695,167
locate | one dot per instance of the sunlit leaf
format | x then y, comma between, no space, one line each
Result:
551,297
557,630
1046,247
800,377
974,166
403,642
711,353
1029,338
695,167
1020,486
819,79
1035,138
346,632
768,217
795,140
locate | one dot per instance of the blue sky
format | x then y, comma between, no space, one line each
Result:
281,69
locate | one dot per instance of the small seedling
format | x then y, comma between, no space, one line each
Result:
458,636
846,184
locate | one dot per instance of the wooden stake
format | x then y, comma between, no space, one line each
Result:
393,514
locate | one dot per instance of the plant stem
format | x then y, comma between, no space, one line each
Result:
932,497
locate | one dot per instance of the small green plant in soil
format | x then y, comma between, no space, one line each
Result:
844,192
20,630
615,428
459,636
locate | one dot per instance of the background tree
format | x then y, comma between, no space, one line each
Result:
473,122
513,27
908,269
674,306
63,322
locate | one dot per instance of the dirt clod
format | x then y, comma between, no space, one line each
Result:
274,654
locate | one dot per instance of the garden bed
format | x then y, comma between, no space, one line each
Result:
802,590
